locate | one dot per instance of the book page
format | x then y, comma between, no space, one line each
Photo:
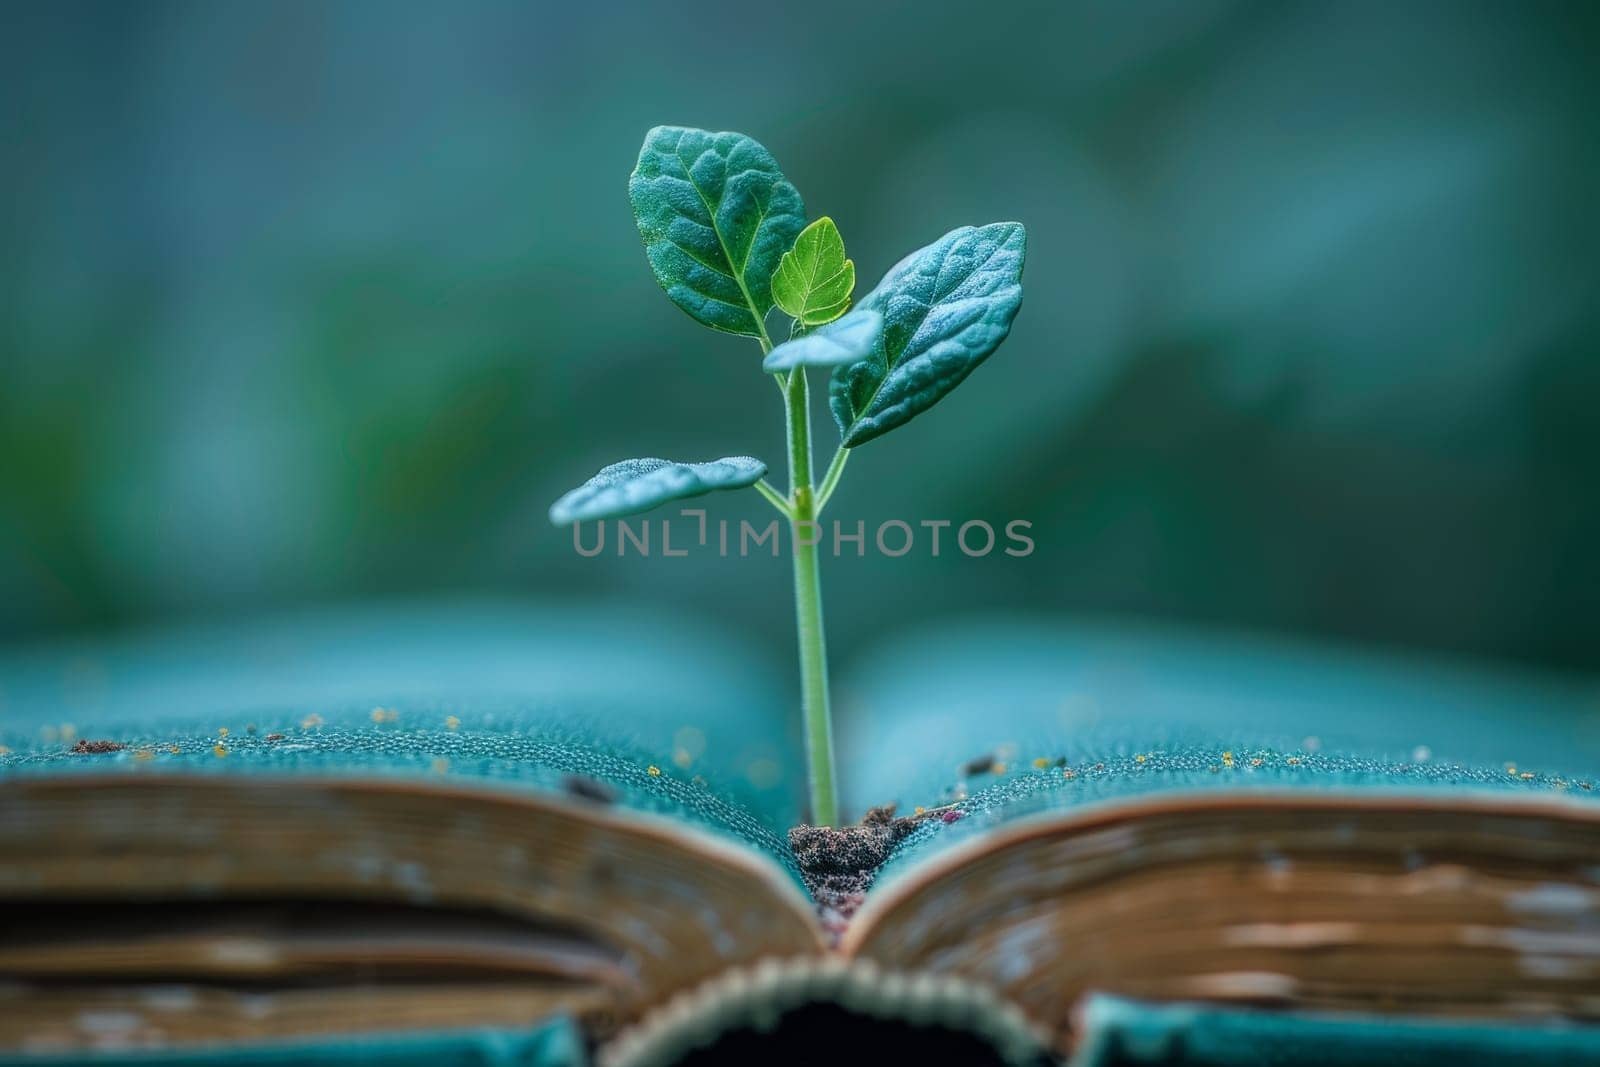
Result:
624,707
1161,814
1005,716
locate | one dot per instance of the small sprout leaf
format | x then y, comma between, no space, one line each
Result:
945,308
636,485
716,215
814,279
842,341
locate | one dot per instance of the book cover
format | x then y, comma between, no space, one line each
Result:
401,822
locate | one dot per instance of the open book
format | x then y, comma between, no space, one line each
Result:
534,833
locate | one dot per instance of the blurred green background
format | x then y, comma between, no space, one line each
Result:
308,302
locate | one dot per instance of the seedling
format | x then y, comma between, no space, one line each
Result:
726,235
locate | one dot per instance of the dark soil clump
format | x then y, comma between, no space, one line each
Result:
838,863
96,748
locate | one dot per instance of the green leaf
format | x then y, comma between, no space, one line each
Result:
636,485
945,308
814,279
842,341
716,216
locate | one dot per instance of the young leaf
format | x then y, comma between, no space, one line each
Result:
846,340
636,485
945,308
716,215
814,279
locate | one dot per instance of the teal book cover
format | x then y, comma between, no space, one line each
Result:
636,535
399,829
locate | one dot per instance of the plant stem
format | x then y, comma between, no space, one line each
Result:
775,498
830,480
808,607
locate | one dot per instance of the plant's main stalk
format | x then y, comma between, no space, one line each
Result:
808,606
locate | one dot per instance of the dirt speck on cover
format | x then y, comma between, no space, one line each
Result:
979,765
586,788
839,862
86,747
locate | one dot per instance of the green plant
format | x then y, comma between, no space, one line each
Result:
726,234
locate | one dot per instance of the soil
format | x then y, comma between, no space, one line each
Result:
838,863
86,747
